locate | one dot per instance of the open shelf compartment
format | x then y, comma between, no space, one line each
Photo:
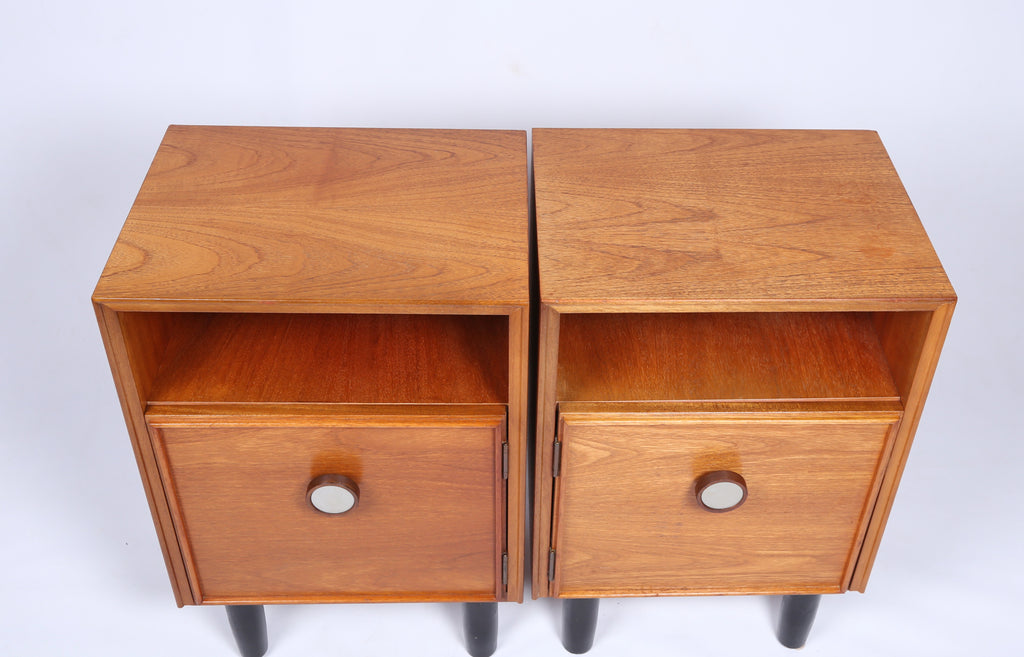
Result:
748,356
318,358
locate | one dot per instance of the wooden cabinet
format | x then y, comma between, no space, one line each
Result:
759,306
319,338
285,304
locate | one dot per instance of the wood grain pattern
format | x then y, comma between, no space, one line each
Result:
386,359
627,522
678,219
427,527
323,218
723,356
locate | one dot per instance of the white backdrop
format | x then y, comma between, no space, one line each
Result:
88,89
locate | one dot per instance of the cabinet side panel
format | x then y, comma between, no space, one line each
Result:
147,337
132,405
915,392
518,440
902,336
547,369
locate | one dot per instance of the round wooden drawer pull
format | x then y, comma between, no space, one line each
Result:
721,491
333,494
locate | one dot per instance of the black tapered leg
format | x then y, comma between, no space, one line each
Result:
480,624
796,619
579,621
249,625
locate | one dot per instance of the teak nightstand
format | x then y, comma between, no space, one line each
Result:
738,330
319,338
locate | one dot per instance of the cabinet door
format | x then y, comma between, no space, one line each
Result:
427,521
627,520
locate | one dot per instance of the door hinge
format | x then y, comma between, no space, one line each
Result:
556,458
551,565
504,570
504,460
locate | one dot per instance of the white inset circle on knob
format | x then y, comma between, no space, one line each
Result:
722,495
332,499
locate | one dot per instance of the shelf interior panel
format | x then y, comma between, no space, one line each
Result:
334,358
722,356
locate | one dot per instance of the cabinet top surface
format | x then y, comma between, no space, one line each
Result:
666,219
321,218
